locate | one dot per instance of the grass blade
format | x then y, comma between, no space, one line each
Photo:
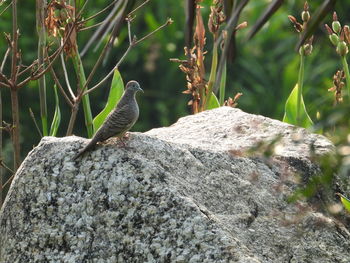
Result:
57,115
272,8
223,85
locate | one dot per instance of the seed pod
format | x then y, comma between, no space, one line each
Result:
305,16
342,48
307,49
334,39
336,26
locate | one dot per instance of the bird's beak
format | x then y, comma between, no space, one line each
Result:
141,90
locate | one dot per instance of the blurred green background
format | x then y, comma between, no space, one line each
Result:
265,69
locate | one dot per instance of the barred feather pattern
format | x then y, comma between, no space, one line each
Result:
120,120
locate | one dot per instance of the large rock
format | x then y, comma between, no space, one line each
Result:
186,193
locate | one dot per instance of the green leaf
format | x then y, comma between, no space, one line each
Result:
290,114
57,115
115,93
345,201
213,102
223,85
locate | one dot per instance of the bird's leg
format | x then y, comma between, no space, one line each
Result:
121,141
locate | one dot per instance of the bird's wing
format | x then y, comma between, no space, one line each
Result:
116,123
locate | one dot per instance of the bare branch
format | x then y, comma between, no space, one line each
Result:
58,84
3,11
31,113
54,55
111,72
82,9
4,59
132,44
137,8
14,42
99,12
90,27
66,78
168,22
5,79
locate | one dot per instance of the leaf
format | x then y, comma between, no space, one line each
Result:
290,115
212,76
345,201
115,93
213,102
223,85
272,8
57,115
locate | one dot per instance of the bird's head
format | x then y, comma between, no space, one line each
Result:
133,86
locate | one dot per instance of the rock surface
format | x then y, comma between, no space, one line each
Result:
185,193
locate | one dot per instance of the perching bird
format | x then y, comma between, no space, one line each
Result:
119,120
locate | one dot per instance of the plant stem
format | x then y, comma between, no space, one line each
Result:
40,26
347,74
214,63
1,156
14,90
72,119
78,66
300,87
15,128
223,85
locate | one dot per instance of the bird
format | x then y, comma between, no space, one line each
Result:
119,120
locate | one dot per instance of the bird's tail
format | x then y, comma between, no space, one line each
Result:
90,145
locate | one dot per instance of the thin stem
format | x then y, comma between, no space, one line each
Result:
53,56
4,59
15,128
73,117
66,77
79,69
229,29
110,73
132,44
99,12
300,87
57,82
168,22
214,63
90,27
14,42
5,8
347,74
1,155
137,8
31,113
82,9
223,85
4,78
40,25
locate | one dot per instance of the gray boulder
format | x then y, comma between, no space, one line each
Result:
190,192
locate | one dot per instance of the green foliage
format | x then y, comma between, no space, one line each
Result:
223,84
57,115
290,115
213,102
115,93
345,201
